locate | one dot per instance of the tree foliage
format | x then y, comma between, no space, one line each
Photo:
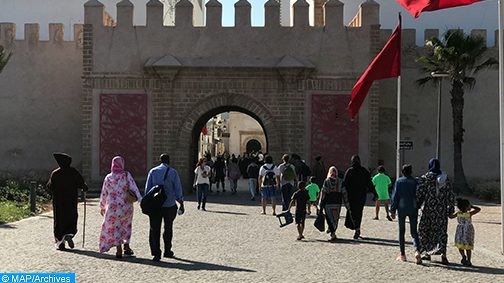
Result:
461,57
4,57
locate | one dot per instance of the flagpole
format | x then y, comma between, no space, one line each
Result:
501,117
398,139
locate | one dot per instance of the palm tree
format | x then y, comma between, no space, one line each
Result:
460,56
4,58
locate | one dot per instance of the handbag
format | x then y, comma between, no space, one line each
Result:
320,221
154,198
130,194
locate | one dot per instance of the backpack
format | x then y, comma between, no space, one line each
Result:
253,171
289,173
270,177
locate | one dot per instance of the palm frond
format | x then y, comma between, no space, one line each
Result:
4,58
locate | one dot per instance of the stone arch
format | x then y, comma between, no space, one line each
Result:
211,106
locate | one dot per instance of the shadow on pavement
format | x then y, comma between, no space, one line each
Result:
460,267
7,226
240,198
381,242
363,240
226,212
180,263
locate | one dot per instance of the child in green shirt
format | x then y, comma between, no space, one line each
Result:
382,183
313,191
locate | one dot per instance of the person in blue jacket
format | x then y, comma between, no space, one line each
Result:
168,211
404,201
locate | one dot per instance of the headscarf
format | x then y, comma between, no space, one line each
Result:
333,172
64,160
355,161
117,166
434,166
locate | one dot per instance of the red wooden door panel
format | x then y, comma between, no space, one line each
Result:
123,131
333,135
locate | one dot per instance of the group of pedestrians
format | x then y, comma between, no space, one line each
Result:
118,193
431,193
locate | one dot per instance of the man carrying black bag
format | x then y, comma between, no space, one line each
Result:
165,176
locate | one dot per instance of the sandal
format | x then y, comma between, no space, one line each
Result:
128,252
119,252
418,258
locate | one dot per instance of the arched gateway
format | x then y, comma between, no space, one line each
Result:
150,89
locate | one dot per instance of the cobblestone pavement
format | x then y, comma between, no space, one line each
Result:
233,242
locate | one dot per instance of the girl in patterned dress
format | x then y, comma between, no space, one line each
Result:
464,236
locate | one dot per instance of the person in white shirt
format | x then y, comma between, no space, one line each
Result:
202,182
269,179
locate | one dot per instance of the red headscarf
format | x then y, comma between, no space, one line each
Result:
117,165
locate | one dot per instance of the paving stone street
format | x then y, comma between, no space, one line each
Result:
233,242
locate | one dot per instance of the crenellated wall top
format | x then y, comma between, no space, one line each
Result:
334,10
32,35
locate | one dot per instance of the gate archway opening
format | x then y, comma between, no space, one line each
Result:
226,132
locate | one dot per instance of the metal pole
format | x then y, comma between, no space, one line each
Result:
438,144
398,138
501,117
84,222
33,197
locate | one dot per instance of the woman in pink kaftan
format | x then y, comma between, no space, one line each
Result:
117,211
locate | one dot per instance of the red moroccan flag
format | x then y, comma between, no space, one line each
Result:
386,65
415,7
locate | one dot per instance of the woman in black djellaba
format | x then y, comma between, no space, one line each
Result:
64,184
357,183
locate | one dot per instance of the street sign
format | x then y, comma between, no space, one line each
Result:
406,145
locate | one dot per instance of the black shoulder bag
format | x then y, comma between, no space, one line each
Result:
154,199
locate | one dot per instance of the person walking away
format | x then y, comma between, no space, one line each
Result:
64,184
253,175
220,173
404,202
300,198
209,163
234,174
167,213
464,235
331,198
313,191
357,182
305,172
269,179
435,195
116,207
202,182
382,184
319,171
288,177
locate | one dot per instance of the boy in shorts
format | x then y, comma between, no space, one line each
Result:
313,191
382,183
300,198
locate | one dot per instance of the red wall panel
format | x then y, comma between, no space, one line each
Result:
123,131
333,135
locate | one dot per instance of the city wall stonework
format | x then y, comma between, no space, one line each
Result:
191,73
